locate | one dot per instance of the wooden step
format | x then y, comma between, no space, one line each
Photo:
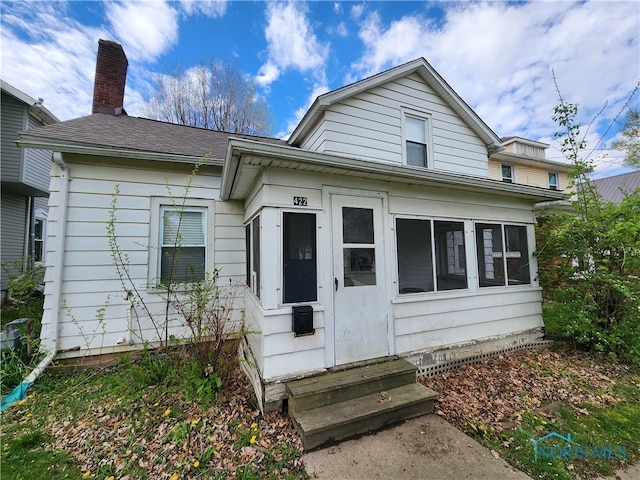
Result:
357,416
338,386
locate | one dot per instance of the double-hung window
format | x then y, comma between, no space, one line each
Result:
503,254
183,241
506,171
431,255
417,134
553,181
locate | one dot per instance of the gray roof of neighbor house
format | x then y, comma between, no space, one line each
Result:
613,189
134,137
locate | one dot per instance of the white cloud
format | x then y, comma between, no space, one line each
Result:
46,54
146,29
209,8
499,57
291,43
357,10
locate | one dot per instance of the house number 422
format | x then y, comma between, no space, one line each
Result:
300,201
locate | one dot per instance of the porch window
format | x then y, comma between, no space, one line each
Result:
252,246
429,250
182,244
300,259
503,255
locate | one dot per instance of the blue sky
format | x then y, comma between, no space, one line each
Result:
498,56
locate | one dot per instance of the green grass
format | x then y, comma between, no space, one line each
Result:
616,425
25,455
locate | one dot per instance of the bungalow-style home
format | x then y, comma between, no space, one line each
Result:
524,161
374,231
25,182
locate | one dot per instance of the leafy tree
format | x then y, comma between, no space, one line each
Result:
630,140
589,260
216,95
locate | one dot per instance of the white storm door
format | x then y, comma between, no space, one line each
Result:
359,300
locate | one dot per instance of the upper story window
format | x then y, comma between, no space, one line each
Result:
417,135
507,173
553,181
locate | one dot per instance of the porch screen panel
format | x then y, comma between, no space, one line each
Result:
415,267
451,264
359,255
255,265
517,255
490,255
300,259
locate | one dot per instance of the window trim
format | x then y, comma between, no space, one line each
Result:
158,204
427,118
512,167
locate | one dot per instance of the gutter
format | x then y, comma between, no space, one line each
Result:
49,339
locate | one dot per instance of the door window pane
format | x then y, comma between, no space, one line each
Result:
359,266
357,225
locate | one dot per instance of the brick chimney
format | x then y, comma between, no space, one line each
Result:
111,76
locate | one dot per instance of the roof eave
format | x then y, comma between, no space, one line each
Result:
28,141
236,148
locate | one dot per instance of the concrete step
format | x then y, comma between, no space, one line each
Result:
338,386
357,416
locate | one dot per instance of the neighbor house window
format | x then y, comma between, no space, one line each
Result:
507,173
38,240
182,244
252,245
431,255
503,255
417,136
300,276
553,181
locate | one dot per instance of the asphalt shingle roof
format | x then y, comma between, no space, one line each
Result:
142,134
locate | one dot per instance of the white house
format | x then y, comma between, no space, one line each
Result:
373,231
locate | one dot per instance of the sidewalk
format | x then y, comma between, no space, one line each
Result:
426,448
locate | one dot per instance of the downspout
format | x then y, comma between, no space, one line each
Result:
49,339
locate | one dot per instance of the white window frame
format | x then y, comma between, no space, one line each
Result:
512,167
557,184
428,135
158,205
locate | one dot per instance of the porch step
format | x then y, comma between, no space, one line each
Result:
344,404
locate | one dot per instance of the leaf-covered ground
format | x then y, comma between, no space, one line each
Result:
159,435
499,390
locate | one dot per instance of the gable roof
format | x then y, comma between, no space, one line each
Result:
134,137
430,77
613,189
35,106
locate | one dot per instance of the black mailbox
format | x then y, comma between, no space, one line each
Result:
303,320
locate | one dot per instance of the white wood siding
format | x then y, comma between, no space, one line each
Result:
369,125
94,316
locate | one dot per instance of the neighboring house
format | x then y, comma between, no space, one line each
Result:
25,181
524,161
613,189
374,231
